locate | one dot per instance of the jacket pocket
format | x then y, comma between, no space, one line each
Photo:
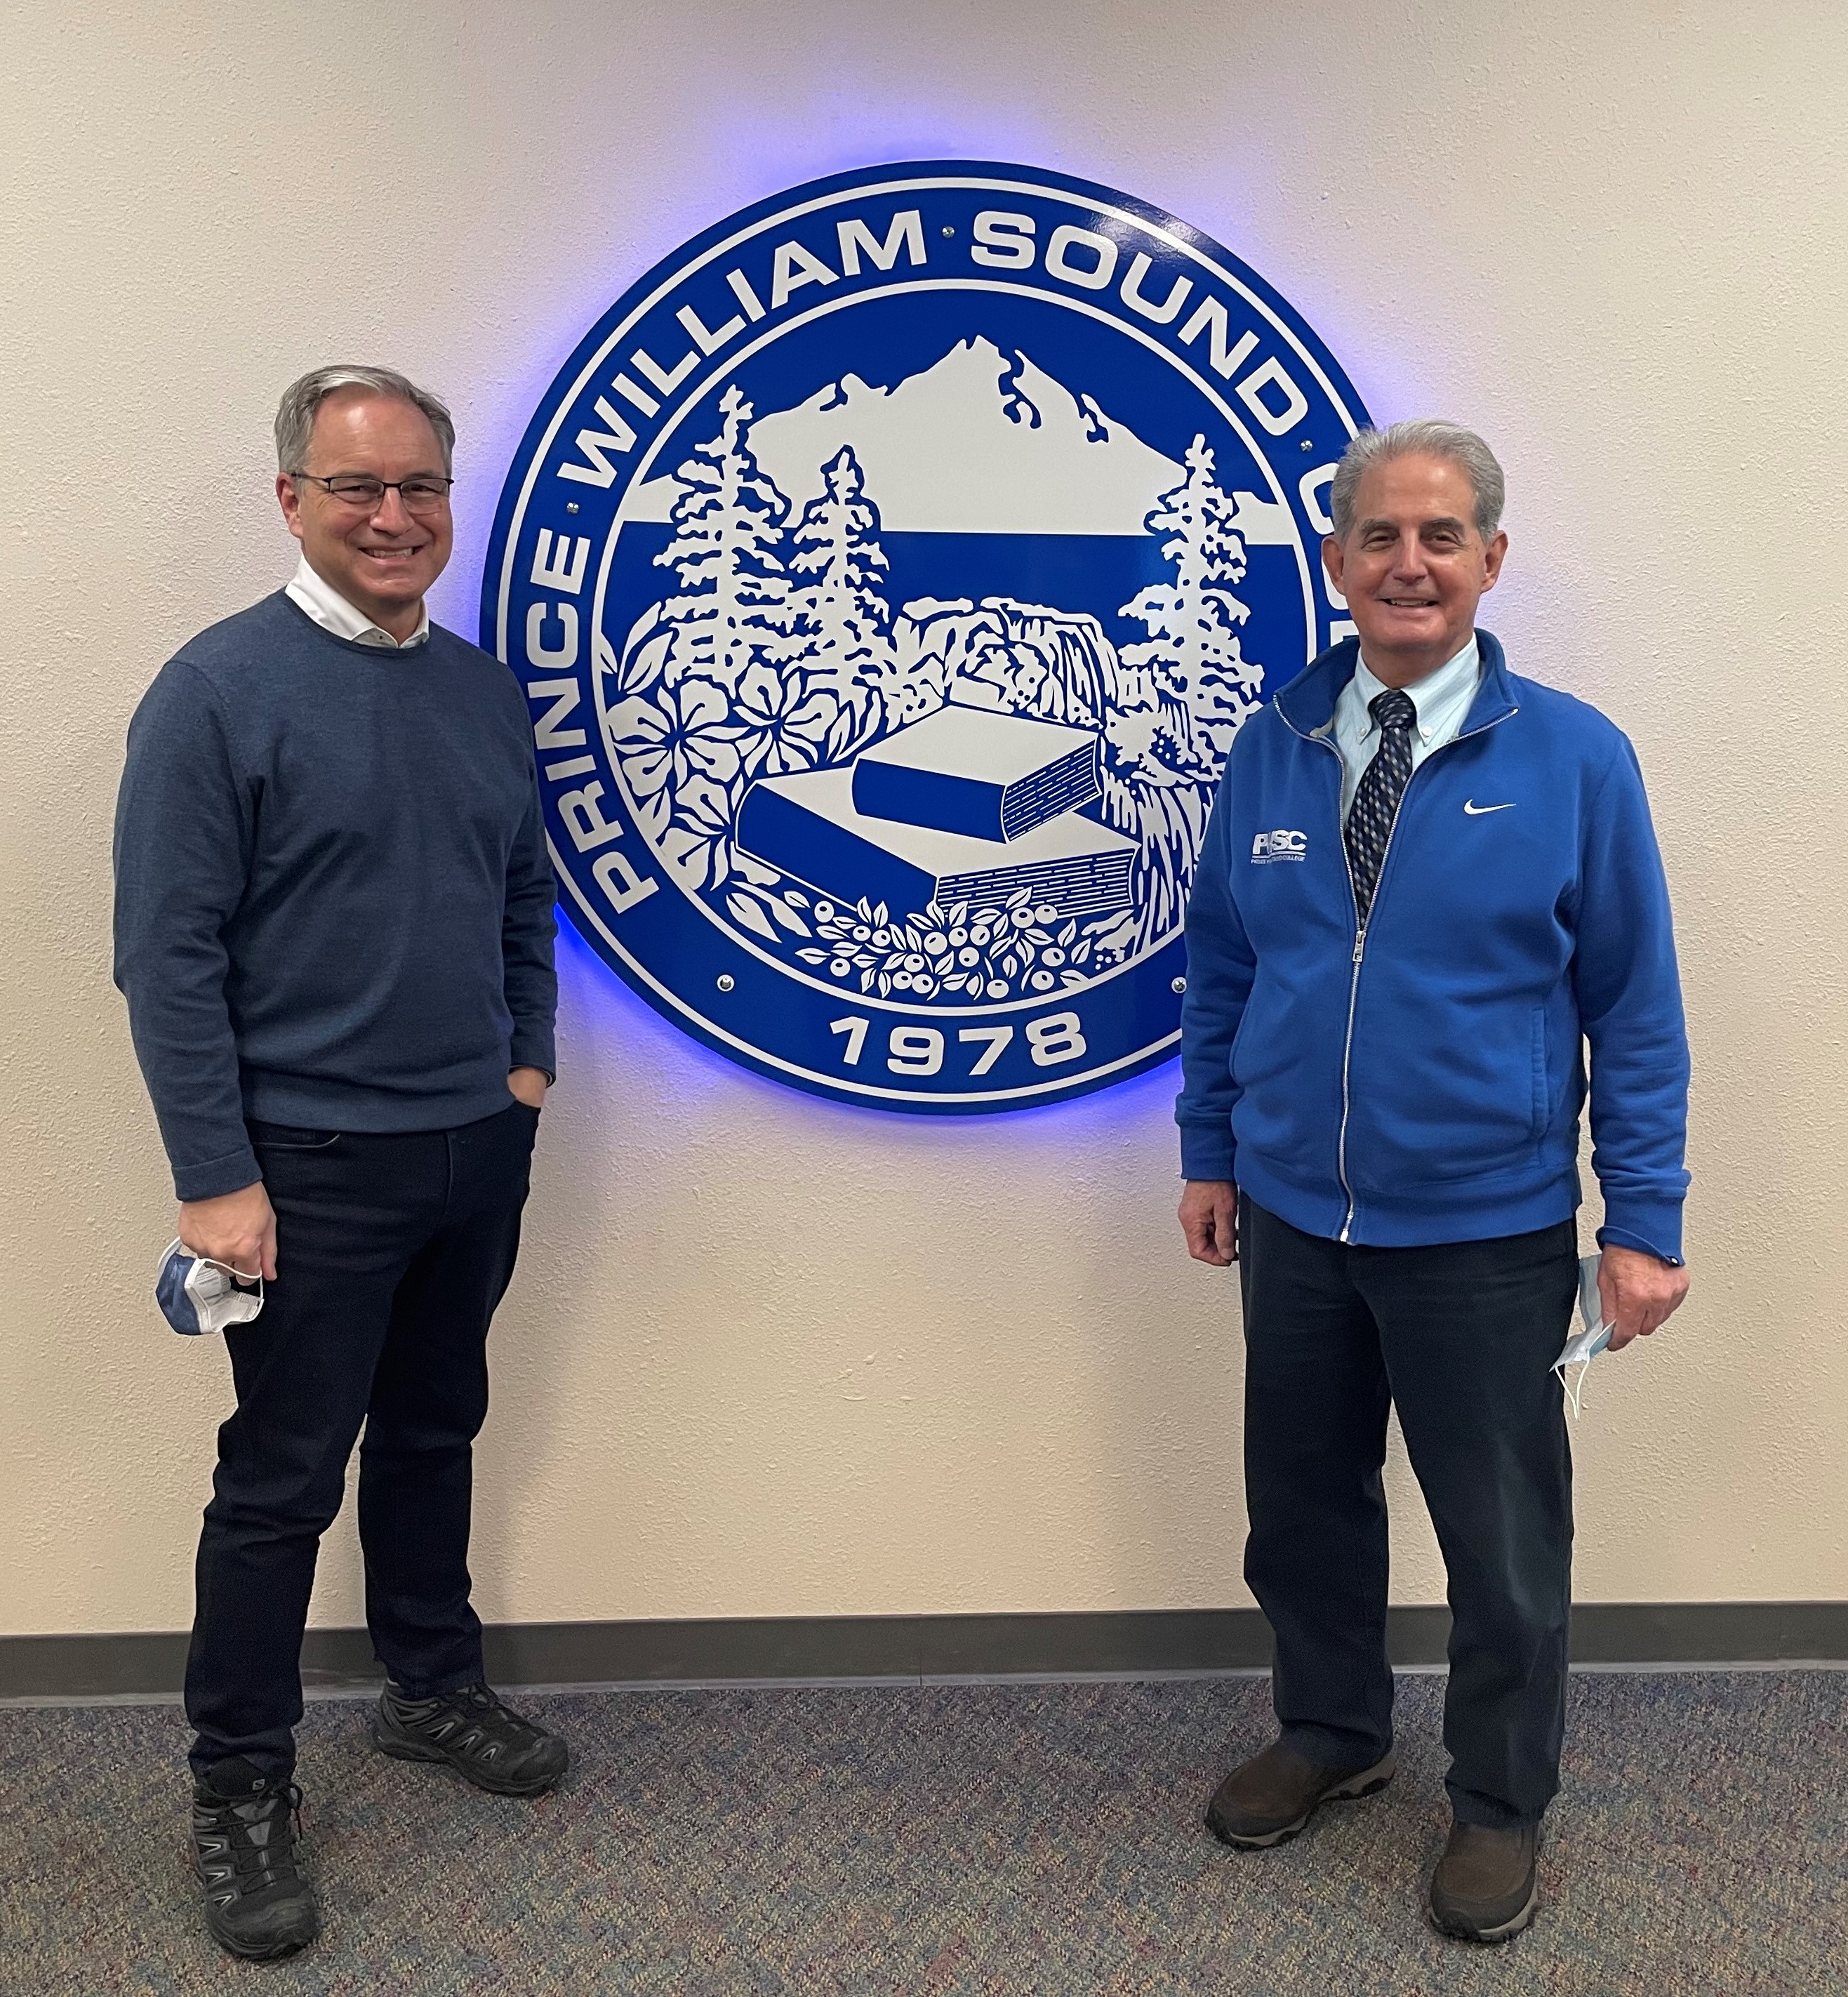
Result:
1541,1093
1441,1105
1284,1059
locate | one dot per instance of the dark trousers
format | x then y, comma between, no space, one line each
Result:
1461,1338
392,1252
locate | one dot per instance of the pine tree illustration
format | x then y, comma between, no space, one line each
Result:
1204,682
837,565
734,605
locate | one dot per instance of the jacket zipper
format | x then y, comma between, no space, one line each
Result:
1353,983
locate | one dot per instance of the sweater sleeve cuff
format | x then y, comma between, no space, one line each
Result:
231,1173
1206,1151
1651,1226
532,1048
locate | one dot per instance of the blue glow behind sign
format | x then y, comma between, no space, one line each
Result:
889,572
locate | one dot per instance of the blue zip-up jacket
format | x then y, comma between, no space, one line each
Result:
1420,1080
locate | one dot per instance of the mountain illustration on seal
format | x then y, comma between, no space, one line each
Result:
958,799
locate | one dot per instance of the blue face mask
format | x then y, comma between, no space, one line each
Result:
197,1294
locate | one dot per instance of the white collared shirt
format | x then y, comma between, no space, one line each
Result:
1443,700
312,592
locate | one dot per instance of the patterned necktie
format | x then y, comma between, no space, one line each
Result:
1377,800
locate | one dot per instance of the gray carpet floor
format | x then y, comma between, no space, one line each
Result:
1009,1840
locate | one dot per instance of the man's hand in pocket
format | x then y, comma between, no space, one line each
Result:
238,1229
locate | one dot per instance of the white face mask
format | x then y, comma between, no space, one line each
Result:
1592,1336
197,1294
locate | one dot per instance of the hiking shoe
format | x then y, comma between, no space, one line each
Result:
476,1733
244,1828
1268,1799
1485,1887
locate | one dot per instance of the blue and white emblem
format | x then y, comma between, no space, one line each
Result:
889,572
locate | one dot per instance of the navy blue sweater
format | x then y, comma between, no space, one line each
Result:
333,904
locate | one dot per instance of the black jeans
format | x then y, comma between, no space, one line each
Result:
1461,1338
392,1252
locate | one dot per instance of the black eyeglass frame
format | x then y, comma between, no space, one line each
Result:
384,484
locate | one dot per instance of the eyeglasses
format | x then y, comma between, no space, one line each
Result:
424,494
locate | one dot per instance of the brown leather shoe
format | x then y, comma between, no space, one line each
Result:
1485,1887
1268,1799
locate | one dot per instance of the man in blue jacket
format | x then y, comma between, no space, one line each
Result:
1394,973
333,926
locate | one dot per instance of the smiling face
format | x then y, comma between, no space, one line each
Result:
380,558
1413,567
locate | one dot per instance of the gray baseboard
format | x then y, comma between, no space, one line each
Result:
1667,1636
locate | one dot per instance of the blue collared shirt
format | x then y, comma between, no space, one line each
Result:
1442,699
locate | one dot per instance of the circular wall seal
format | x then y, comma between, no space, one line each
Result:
889,571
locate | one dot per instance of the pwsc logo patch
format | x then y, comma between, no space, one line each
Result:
889,572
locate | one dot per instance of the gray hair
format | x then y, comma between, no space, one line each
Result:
1424,435
302,400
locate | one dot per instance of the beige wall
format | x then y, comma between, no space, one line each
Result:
768,1357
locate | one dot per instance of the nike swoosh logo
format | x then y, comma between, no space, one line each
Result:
1472,809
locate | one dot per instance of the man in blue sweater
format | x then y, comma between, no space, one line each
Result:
333,927
1393,973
